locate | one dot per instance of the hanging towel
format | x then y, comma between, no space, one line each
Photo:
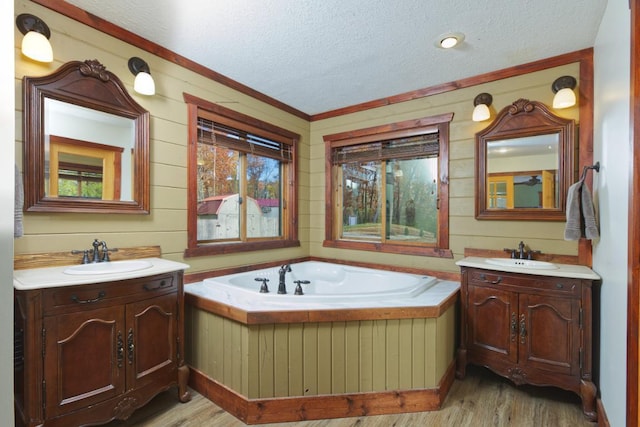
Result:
590,226
19,202
572,230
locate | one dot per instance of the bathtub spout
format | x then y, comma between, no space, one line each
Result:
282,289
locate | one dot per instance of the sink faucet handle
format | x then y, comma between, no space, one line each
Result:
531,253
264,289
298,290
85,255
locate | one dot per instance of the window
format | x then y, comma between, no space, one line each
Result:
242,192
387,188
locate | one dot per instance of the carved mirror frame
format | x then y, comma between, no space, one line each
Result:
521,119
86,84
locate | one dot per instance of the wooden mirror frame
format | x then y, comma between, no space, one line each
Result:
87,84
526,118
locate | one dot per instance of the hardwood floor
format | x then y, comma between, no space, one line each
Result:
482,399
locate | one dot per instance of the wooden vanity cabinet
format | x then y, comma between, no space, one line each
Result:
531,329
93,353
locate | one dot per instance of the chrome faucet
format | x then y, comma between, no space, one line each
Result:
282,289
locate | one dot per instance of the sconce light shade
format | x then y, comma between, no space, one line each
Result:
563,87
481,110
35,43
143,84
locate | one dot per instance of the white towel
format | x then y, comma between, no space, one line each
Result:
19,203
572,230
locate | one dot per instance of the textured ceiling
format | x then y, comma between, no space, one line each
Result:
321,55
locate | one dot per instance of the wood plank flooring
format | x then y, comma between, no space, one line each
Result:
481,399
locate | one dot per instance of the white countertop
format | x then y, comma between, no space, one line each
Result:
49,277
563,270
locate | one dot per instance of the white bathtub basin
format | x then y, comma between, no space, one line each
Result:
523,263
108,267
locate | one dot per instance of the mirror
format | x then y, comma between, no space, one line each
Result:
86,143
524,164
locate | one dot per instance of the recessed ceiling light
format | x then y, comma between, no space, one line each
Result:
449,40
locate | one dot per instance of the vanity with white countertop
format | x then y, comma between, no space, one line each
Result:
94,343
531,322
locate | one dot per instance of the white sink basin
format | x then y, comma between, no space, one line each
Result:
109,267
522,263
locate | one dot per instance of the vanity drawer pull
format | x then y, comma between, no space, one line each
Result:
75,298
493,282
559,286
163,284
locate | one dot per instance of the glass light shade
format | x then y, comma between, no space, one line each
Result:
481,113
564,98
144,84
37,47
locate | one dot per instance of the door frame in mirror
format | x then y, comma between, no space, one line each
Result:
86,84
526,118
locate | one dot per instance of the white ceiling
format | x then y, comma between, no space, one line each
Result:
321,55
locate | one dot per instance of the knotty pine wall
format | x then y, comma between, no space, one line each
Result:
166,225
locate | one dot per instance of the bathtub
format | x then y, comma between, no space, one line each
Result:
359,341
330,286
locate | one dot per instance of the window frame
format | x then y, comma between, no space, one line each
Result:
197,107
380,133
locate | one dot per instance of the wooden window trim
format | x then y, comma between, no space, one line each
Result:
385,132
198,107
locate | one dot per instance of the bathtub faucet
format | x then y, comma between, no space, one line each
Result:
282,289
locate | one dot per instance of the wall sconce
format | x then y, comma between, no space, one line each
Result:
35,43
481,107
143,84
563,89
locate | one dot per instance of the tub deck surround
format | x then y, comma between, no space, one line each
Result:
268,362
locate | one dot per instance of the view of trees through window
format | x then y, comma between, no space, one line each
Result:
228,178
408,191
74,182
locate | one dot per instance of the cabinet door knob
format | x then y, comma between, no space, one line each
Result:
514,326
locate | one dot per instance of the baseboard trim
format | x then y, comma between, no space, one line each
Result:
603,421
304,408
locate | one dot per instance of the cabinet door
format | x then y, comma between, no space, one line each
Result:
492,325
550,334
151,341
83,359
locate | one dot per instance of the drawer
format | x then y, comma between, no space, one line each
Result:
526,282
95,294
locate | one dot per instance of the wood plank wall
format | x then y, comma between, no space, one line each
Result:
307,359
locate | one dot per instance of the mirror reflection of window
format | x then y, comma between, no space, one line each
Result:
522,172
83,124
79,176
83,169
